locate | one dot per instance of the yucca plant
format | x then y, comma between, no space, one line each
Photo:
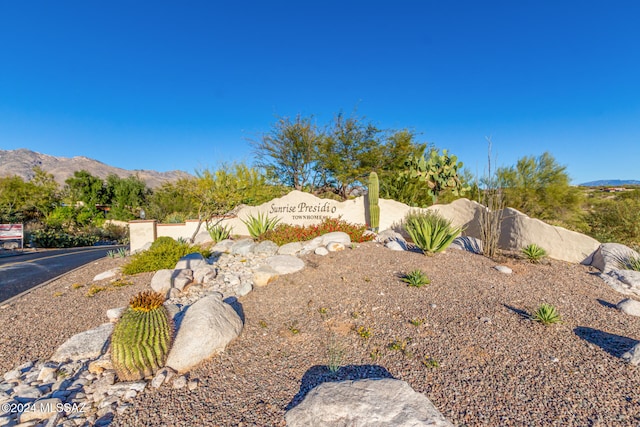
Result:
416,278
142,337
546,314
430,231
219,232
534,253
631,262
260,224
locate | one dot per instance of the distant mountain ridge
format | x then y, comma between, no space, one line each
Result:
22,161
610,183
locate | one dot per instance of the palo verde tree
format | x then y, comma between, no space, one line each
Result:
288,153
539,187
219,192
126,196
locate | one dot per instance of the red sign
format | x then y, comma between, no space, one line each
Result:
11,231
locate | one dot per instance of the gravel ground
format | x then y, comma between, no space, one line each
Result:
464,341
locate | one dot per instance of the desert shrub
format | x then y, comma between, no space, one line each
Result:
164,253
260,224
430,231
285,233
616,219
534,253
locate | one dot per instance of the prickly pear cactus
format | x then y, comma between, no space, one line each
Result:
142,337
374,208
440,172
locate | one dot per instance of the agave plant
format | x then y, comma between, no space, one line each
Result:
534,253
219,232
260,224
430,231
546,314
416,278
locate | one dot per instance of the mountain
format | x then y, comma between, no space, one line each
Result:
21,162
610,183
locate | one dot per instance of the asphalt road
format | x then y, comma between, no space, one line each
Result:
22,272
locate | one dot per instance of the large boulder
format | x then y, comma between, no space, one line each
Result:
206,328
85,345
518,231
610,256
369,402
285,264
462,213
335,237
191,261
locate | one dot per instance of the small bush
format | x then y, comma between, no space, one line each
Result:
546,314
534,253
164,253
416,278
260,224
219,233
430,231
285,233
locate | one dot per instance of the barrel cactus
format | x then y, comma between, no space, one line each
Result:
374,208
142,337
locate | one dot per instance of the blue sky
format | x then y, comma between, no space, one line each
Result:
184,85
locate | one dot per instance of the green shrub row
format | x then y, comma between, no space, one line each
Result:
59,239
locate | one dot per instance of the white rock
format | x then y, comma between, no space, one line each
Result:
113,314
12,375
311,245
203,237
335,236
41,409
388,235
191,261
161,281
192,384
285,264
264,275
503,269
610,255
290,248
322,251
106,275
48,372
179,382
335,247
243,288
182,278
629,306
467,243
223,246
206,328
85,345
158,379
395,245
266,247
633,356
205,274
243,246
369,402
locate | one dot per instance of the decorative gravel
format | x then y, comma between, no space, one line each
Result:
465,341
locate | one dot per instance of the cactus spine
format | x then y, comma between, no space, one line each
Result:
142,337
374,208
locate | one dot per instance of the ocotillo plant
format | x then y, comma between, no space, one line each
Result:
142,337
374,208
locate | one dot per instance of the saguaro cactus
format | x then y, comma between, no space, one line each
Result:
374,208
142,337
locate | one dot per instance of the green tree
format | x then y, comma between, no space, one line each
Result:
171,201
126,196
539,187
86,188
288,153
46,190
350,150
219,192
16,200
